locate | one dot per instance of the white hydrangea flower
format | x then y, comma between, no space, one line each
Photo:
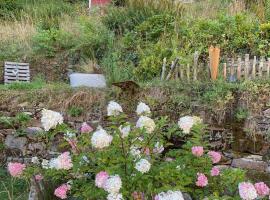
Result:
63,161
187,122
124,130
45,164
135,151
113,184
114,109
113,196
101,139
143,109
50,119
147,123
143,166
170,195
159,148
35,160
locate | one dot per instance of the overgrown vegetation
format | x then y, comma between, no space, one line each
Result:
130,41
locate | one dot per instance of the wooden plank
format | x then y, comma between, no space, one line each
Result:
225,71
254,67
21,74
195,65
181,72
246,66
16,78
163,69
17,67
261,66
239,68
232,68
15,63
188,72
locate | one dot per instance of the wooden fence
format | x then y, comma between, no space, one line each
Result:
232,70
237,69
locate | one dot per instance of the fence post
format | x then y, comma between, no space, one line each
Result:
268,67
225,71
246,66
261,66
239,67
188,72
163,69
232,70
254,67
195,65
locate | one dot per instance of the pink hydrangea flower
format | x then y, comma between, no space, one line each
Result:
215,171
202,180
65,161
38,177
16,169
215,156
61,191
197,151
247,191
85,128
101,178
262,189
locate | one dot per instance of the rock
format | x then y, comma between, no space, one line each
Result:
7,131
33,131
37,147
266,113
187,196
12,142
222,167
252,162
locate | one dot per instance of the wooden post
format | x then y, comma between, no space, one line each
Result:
188,73
225,71
246,66
181,72
254,67
195,65
163,69
239,68
232,78
174,63
214,55
261,66
268,67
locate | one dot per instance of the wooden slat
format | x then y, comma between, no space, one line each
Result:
268,67
261,66
17,67
225,71
195,65
163,69
16,78
254,67
19,75
239,68
188,72
246,66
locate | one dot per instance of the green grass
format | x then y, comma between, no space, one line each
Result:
12,189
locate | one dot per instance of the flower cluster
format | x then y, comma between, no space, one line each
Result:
143,166
215,156
248,191
63,161
143,109
111,184
61,191
197,151
170,195
187,122
50,119
147,123
101,139
114,109
16,169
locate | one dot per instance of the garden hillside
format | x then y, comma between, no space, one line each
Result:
130,39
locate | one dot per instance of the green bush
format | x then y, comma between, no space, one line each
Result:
49,42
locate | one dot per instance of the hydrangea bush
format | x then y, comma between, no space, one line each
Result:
127,160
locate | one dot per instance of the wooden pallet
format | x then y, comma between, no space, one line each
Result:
16,72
